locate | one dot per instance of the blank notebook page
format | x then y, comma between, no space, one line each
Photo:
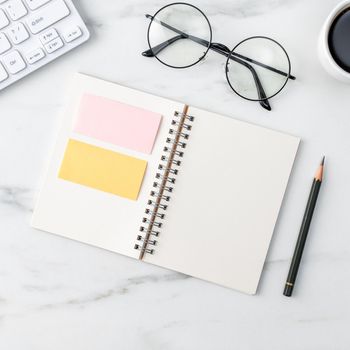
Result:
226,200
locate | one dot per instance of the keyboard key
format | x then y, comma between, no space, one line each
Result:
4,43
15,9
14,62
54,45
43,18
72,34
34,4
3,73
48,36
18,33
4,21
35,56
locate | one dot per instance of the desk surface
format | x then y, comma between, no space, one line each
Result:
57,294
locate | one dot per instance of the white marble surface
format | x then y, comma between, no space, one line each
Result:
57,294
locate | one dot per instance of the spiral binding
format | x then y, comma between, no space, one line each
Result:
164,184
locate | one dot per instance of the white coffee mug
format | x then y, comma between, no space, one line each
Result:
324,53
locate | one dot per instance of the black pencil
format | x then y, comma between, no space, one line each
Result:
304,229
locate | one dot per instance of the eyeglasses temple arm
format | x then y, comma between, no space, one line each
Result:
292,77
224,50
188,36
156,49
263,101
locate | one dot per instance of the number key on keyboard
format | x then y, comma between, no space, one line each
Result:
14,62
15,9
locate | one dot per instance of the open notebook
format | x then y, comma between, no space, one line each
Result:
170,184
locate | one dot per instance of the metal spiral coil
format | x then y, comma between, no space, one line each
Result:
179,133
165,188
165,179
179,143
171,171
185,126
181,114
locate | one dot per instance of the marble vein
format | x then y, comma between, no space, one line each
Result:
15,197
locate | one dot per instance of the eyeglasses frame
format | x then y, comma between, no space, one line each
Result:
221,49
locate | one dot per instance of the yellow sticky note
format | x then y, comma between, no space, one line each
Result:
102,169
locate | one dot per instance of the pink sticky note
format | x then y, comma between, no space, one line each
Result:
117,123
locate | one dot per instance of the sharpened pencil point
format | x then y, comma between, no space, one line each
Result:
319,172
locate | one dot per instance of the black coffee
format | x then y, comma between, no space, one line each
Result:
339,40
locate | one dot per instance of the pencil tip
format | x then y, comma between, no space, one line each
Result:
319,173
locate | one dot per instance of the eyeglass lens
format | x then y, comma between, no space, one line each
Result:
171,25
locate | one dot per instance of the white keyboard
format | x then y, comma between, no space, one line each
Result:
34,33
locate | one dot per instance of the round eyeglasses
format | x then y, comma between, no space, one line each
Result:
180,35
